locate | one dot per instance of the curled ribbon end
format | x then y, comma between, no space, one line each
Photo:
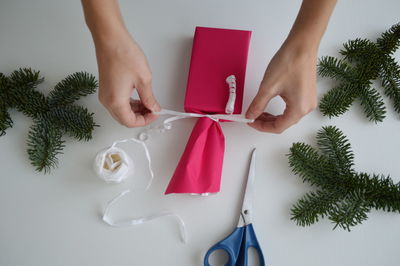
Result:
182,229
230,105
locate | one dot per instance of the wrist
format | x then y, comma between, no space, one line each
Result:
112,40
302,42
108,34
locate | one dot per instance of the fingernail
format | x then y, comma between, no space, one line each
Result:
250,115
156,108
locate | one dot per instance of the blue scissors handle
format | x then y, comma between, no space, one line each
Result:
236,245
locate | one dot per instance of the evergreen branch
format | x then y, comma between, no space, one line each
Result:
334,68
26,77
4,86
5,119
363,62
44,144
373,104
367,56
53,115
75,120
308,164
380,191
358,50
72,88
312,206
390,76
338,100
333,144
389,41
349,211
23,94
344,196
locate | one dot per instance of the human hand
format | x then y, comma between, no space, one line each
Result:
291,75
123,68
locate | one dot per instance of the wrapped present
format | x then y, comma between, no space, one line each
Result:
217,54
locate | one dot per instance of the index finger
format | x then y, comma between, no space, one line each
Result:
276,123
123,113
142,112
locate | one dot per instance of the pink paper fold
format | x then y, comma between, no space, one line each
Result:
199,170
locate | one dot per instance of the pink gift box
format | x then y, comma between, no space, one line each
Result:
216,54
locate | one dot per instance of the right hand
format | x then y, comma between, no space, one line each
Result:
123,68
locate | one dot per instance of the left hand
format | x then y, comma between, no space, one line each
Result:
291,75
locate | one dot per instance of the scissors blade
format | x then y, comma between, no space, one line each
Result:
247,207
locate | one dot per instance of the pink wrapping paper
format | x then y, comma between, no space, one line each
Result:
216,54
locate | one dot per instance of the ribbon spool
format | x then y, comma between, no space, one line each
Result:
113,165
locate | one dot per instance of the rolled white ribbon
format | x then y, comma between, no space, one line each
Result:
113,165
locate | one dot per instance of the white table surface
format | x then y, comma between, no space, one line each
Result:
55,219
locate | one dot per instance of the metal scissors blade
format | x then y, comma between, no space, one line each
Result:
247,207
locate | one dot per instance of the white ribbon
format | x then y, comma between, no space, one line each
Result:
166,124
230,106
215,117
131,222
113,165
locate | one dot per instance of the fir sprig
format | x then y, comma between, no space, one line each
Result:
53,116
23,95
342,194
72,88
5,119
363,62
74,120
44,144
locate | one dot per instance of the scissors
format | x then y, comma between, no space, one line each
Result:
237,244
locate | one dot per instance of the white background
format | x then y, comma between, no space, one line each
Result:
55,219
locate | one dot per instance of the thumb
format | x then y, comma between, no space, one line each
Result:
260,101
147,97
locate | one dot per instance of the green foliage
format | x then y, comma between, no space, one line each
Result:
5,119
363,62
342,194
74,120
72,88
23,95
44,144
53,116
